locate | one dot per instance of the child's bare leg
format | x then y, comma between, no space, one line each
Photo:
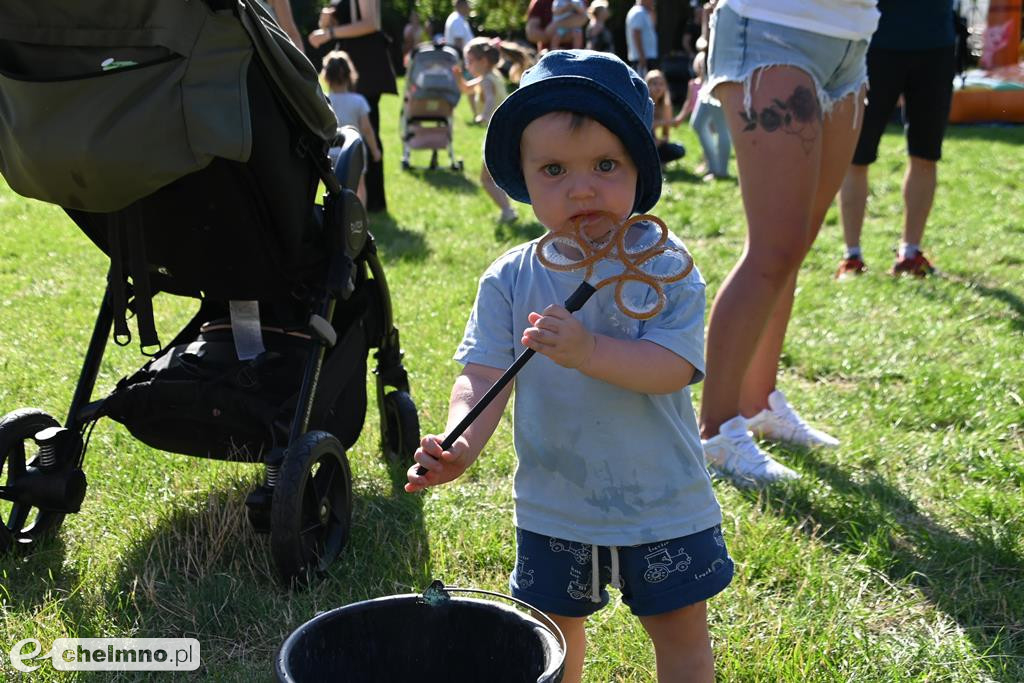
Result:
573,628
497,194
577,39
682,646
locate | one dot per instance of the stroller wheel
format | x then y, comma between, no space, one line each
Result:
24,525
312,508
400,427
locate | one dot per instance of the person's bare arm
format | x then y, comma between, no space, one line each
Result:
369,137
571,21
283,12
444,466
633,364
663,117
490,102
534,33
369,23
641,53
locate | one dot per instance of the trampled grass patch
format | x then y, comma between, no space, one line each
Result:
897,557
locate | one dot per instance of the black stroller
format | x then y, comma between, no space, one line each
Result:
199,142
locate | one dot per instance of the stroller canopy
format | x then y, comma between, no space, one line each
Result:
430,73
105,102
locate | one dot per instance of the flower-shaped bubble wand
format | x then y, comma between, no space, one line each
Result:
651,262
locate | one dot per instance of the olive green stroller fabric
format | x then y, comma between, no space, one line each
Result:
103,102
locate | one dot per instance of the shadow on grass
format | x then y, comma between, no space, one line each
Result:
1005,296
202,572
520,231
682,174
28,577
1013,302
972,575
395,243
444,178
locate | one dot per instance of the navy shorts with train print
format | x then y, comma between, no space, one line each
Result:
558,576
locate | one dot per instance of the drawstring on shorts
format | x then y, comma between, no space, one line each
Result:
595,572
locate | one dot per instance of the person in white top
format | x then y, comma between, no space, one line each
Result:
790,76
641,37
457,31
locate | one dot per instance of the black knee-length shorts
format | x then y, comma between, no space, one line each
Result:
925,79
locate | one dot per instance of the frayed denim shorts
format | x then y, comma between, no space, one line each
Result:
742,48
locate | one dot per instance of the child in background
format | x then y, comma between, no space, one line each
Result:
567,37
515,60
599,36
708,122
610,485
350,108
667,150
486,90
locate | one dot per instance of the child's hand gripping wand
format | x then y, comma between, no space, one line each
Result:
567,252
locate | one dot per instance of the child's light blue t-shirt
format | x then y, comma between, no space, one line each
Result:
597,463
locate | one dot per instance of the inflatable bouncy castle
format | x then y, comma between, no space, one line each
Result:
995,92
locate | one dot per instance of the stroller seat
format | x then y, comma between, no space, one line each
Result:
212,197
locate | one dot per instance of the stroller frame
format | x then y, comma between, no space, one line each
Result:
304,502
303,544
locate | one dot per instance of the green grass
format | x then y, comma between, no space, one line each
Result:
897,557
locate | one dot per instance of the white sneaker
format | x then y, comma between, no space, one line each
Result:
734,454
779,422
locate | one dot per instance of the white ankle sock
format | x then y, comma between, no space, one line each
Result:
908,250
853,252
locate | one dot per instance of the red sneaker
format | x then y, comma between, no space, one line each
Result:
916,265
850,267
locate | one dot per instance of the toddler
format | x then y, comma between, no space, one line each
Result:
486,91
663,119
610,486
350,108
560,11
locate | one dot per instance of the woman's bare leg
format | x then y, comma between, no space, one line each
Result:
840,131
779,168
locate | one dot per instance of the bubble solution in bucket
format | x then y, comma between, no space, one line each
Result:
429,638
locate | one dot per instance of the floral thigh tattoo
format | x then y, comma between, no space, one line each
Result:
796,115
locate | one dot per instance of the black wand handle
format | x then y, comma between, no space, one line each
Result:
572,304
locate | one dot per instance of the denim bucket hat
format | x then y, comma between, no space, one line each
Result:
595,84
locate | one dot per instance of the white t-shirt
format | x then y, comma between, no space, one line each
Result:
638,18
349,108
457,31
846,19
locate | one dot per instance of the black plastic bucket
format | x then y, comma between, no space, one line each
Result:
425,639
